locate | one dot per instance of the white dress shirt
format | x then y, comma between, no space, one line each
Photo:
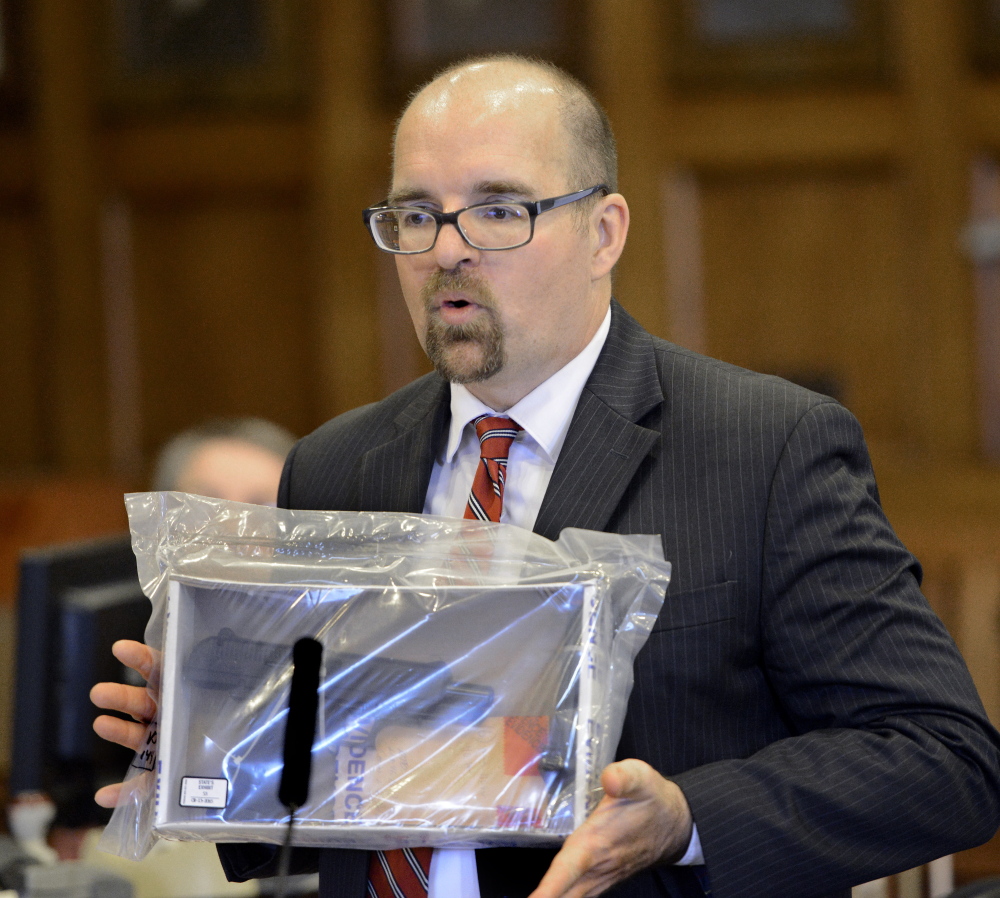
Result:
545,415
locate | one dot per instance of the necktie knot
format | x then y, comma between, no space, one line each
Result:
496,433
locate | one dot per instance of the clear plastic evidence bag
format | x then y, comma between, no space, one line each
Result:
473,682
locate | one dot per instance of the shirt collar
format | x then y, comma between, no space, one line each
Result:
546,411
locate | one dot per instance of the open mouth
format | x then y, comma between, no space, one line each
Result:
451,306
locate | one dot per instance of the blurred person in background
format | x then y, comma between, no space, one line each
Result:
239,459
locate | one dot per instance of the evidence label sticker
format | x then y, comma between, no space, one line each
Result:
201,792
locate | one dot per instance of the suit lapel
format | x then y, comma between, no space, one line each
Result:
394,475
605,444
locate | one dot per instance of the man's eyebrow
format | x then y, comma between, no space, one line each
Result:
504,188
482,189
403,197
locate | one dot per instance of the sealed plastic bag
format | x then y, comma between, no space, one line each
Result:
473,685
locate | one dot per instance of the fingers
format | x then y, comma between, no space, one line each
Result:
643,819
124,732
565,876
107,797
605,850
135,655
132,700
616,780
629,779
138,788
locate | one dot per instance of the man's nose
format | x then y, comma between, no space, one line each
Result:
451,251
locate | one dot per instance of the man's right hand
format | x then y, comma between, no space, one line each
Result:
135,701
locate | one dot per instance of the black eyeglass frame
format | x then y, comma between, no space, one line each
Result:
442,218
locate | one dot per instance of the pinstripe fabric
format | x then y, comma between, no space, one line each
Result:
796,684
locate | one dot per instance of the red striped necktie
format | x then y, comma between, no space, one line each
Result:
402,873
495,437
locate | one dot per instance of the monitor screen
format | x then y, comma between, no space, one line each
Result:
74,601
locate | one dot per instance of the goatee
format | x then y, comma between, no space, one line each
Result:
463,353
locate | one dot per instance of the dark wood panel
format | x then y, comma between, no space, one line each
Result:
935,174
629,70
351,133
803,278
208,155
830,127
17,172
221,306
44,511
74,367
21,437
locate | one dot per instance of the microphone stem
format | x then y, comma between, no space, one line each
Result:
285,857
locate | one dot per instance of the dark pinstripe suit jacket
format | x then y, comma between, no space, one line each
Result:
797,686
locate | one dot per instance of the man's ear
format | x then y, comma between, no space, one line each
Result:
610,228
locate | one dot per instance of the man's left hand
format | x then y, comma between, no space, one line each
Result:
643,819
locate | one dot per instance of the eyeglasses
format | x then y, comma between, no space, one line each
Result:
411,229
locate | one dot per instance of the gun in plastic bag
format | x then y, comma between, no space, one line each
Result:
359,694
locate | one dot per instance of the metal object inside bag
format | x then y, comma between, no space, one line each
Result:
364,692
473,683
484,742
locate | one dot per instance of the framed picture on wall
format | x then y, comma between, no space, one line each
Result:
190,53
754,43
422,36
984,31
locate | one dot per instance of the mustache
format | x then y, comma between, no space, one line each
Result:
444,280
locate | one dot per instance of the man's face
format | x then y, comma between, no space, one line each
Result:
500,321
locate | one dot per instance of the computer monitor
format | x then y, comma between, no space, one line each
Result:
73,602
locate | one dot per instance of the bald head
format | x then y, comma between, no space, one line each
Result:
491,85
488,134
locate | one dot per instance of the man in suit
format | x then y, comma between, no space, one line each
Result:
800,720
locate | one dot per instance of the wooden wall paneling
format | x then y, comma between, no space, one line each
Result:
988,346
628,51
941,372
916,489
21,435
982,100
803,277
682,240
348,169
791,128
17,170
118,291
982,244
152,157
221,305
979,628
401,359
72,345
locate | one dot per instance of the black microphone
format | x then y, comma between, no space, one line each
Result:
300,731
